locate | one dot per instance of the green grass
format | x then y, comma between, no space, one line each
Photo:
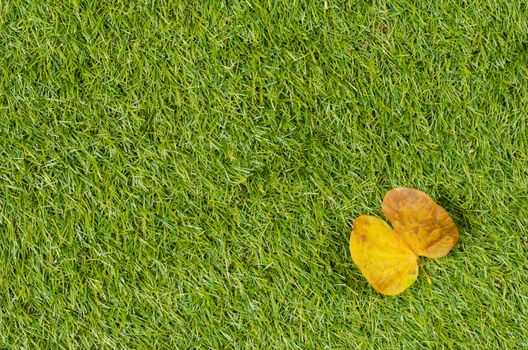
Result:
186,174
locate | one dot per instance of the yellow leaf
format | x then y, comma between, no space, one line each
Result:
389,258
389,266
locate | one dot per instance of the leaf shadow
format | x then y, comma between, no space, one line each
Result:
454,206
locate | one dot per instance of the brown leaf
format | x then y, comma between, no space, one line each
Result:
421,223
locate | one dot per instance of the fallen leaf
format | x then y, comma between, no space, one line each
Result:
389,266
388,257
424,225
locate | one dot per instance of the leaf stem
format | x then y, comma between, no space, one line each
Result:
429,280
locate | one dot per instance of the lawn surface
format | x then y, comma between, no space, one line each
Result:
186,174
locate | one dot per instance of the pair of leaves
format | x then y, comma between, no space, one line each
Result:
388,257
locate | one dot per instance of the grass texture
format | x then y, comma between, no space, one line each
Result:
180,175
